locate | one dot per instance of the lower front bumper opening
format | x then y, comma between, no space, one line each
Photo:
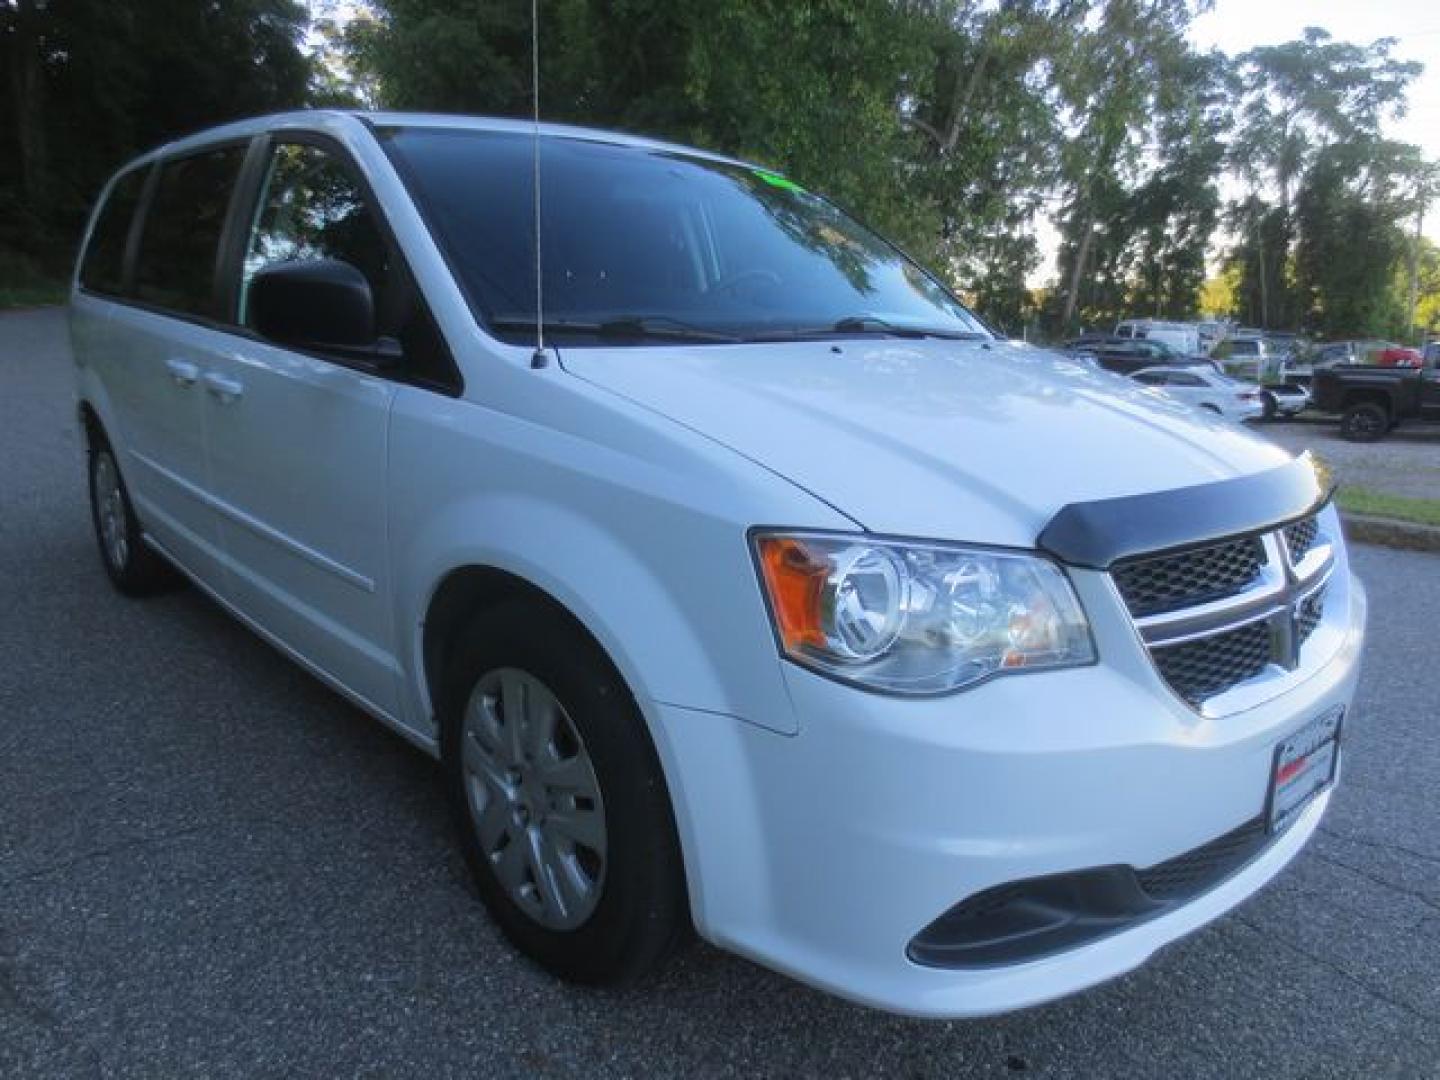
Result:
1039,917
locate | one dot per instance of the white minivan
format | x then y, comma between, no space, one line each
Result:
768,594
1184,338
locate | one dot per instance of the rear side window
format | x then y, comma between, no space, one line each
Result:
176,267
103,268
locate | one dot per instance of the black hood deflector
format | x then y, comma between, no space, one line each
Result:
1101,533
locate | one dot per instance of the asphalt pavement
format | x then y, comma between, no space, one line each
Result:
210,865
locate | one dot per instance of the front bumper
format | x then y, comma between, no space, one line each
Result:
823,854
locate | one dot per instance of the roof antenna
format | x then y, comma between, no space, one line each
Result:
538,359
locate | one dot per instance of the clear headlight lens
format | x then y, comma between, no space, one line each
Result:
913,618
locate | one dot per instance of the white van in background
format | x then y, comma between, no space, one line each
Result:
1182,337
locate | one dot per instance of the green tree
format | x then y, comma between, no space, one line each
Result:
92,82
987,111
1173,214
1110,82
812,89
1295,101
1350,213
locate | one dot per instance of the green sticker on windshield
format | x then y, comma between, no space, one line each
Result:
776,180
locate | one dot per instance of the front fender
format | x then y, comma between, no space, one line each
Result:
639,533
615,591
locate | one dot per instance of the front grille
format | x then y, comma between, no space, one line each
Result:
1217,616
1203,867
1300,537
1170,582
1311,611
1200,669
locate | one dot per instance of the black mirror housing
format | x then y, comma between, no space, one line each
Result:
316,304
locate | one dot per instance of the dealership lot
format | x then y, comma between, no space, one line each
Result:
209,864
1406,462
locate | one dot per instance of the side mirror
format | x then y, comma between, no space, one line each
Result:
315,304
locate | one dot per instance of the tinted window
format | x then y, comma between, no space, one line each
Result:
1179,378
634,232
313,206
1151,378
176,268
103,267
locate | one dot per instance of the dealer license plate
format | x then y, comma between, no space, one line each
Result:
1304,766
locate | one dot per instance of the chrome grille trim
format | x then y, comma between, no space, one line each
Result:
1288,595
1153,586
1270,596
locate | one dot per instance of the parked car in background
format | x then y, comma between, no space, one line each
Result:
1365,351
1183,338
1284,343
1400,356
1249,357
1125,356
1207,390
1285,399
1211,332
1373,400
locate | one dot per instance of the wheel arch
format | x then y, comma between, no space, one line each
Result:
463,594
92,428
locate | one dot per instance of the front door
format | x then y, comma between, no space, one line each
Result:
298,444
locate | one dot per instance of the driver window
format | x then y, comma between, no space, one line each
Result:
311,207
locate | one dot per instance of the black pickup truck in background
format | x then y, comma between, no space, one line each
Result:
1372,401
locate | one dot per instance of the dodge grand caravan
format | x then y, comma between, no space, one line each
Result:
744,581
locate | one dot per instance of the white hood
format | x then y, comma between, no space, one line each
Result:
939,439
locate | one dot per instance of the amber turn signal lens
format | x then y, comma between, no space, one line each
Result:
794,579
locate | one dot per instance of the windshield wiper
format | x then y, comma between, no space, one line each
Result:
867,324
873,324
622,327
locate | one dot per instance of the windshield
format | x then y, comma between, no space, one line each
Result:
645,243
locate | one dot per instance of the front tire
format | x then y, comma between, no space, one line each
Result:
562,808
133,566
1365,422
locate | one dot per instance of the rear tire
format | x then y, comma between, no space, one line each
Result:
1364,422
567,829
1271,408
134,568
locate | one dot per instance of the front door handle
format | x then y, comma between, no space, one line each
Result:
183,372
223,387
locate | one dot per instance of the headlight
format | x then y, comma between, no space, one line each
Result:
911,618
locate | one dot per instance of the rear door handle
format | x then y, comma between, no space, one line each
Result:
182,371
223,387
